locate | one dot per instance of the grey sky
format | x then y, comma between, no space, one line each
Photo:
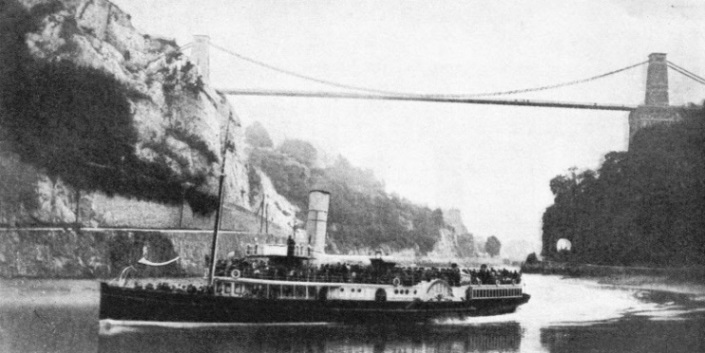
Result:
492,162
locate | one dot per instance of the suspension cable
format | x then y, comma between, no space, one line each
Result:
686,73
558,85
684,69
373,90
301,76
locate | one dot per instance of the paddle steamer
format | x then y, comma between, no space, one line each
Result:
290,283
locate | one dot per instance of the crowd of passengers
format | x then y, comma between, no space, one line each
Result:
407,276
354,273
166,287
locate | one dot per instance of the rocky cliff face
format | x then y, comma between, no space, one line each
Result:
456,243
180,122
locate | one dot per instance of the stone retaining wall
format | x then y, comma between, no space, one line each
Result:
103,253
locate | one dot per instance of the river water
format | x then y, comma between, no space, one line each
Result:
564,315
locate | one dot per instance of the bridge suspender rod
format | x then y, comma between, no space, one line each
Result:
422,98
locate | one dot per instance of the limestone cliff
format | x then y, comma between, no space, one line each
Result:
183,129
181,123
455,243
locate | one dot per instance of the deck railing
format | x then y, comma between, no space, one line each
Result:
365,279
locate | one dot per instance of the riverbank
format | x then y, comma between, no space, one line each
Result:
685,280
652,283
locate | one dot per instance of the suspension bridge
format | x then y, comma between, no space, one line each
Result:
656,108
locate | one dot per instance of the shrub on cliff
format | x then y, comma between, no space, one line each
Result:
300,151
257,136
289,177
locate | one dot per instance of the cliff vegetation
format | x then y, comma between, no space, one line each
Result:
642,207
362,215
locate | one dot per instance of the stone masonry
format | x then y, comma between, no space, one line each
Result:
656,109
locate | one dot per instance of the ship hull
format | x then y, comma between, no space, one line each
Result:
130,304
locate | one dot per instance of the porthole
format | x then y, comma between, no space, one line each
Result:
414,291
396,291
342,289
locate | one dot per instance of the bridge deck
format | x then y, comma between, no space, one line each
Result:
425,98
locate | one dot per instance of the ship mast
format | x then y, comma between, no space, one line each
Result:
214,244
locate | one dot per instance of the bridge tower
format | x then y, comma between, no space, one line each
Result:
657,81
656,109
200,56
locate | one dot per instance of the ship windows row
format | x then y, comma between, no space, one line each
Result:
351,290
403,291
271,291
493,293
278,291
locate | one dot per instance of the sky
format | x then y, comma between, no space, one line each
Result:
494,163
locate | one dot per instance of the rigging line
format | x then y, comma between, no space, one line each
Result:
694,78
372,90
684,69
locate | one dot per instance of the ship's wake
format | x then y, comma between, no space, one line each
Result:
110,327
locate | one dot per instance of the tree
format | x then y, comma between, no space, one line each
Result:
642,207
257,136
299,150
492,246
290,178
437,216
532,259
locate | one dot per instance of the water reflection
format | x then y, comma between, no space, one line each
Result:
43,328
562,316
504,337
632,334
